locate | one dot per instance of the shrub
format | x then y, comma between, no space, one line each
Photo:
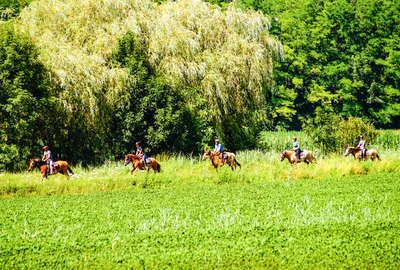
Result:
334,133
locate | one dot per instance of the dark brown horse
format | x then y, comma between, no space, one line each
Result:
58,166
137,164
356,152
305,156
218,160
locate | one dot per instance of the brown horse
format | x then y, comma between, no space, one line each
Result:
216,159
137,164
305,156
356,152
59,167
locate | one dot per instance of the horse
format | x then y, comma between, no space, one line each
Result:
356,152
305,156
216,160
59,166
137,164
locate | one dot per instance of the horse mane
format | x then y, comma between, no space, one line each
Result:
131,155
39,161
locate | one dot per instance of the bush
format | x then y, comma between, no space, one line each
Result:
334,133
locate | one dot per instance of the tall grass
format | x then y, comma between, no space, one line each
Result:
257,167
388,140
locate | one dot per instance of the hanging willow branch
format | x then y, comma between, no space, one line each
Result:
226,54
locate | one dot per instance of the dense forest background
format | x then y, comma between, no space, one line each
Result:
90,79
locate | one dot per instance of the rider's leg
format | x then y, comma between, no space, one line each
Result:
144,160
51,166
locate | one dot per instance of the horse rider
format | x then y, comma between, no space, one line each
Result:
296,147
48,158
361,146
219,149
140,153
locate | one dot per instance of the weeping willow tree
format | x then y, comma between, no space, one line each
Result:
226,54
221,59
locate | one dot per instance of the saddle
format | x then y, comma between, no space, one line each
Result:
148,161
300,155
364,152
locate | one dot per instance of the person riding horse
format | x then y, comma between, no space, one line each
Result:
219,149
296,147
140,153
48,158
361,147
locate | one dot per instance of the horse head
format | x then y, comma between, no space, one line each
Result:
347,151
351,150
283,155
128,159
207,154
35,162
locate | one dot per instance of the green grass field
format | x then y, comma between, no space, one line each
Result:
336,214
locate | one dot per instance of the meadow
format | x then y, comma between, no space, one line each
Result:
338,213
258,167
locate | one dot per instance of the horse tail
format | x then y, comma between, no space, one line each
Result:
158,167
70,170
237,163
313,158
377,156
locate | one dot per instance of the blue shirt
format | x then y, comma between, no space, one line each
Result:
296,145
218,148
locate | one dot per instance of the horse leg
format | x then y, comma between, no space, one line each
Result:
66,174
44,176
231,165
155,168
134,171
70,170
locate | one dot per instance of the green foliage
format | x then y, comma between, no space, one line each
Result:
198,72
25,102
342,53
333,133
11,8
156,113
